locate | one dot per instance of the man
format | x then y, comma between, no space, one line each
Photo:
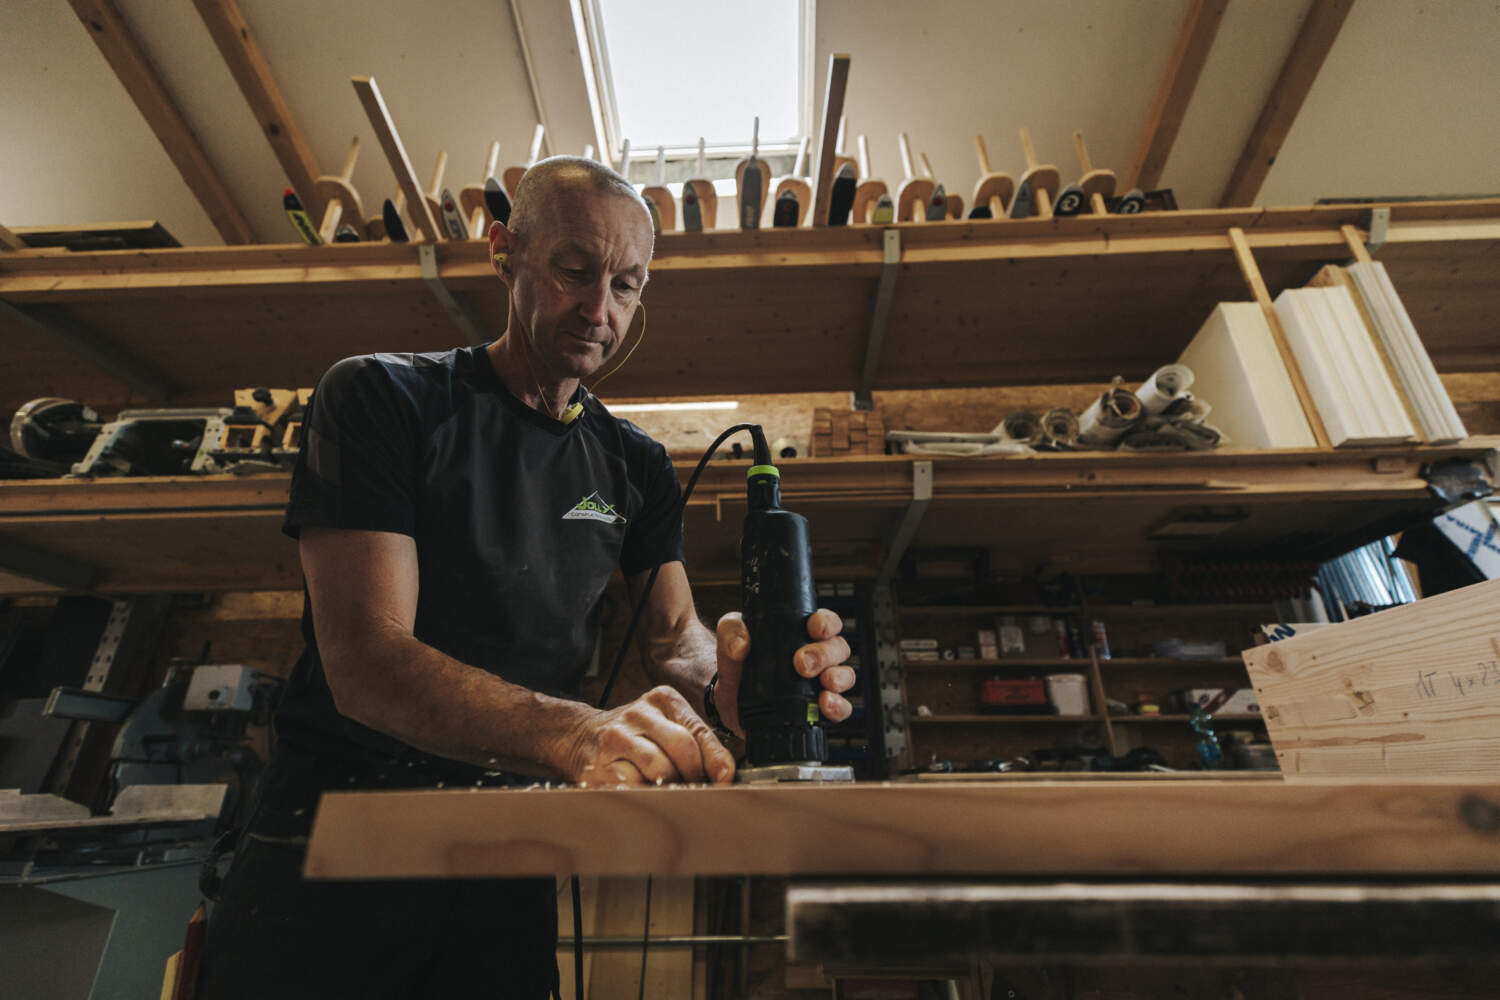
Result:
453,592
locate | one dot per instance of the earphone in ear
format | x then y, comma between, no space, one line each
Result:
501,258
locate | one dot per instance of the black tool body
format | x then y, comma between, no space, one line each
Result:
778,707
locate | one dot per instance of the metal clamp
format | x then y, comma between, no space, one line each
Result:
921,496
457,311
884,292
1379,227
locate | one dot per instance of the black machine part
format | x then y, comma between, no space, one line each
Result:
51,429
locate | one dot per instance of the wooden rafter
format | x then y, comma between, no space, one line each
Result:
10,241
141,81
1195,37
1314,40
253,74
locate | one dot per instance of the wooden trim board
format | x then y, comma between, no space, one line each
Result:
1076,828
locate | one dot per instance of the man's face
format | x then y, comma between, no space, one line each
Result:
578,279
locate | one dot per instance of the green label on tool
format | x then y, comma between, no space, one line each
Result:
812,712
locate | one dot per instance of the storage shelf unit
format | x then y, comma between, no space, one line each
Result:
744,312
223,532
1000,718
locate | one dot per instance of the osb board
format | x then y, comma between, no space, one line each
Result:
1411,693
1179,828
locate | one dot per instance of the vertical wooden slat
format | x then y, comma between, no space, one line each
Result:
833,110
1195,37
250,70
1321,27
139,77
1251,271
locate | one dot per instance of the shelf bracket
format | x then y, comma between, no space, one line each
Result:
890,265
921,496
889,678
457,311
51,324
1379,227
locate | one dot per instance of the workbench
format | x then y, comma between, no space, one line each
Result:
899,874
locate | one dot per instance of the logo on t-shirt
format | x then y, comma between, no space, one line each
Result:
593,508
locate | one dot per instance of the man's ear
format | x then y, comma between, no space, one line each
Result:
501,242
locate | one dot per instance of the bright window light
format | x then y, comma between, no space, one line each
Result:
726,404
670,71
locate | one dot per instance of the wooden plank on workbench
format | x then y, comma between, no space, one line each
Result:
125,56
1117,828
1407,693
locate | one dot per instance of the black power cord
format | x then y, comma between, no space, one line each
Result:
762,457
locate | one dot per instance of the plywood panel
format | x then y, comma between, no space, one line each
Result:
1410,692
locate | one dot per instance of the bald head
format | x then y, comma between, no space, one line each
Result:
551,185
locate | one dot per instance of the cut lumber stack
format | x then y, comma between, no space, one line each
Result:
1236,365
847,432
1345,375
1431,407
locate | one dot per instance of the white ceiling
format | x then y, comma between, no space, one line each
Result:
1405,105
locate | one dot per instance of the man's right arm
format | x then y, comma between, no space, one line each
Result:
363,587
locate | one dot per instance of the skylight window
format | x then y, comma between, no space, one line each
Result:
670,71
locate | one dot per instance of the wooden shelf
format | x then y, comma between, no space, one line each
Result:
1054,664
1167,661
1226,717
764,311
1210,610
1000,718
960,610
1100,509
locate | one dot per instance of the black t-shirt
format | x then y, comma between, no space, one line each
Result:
519,520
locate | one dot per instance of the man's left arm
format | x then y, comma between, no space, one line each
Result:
681,651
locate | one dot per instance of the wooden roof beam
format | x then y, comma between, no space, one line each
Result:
253,74
131,64
1314,40
1195,37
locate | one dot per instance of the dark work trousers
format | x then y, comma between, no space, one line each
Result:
273,934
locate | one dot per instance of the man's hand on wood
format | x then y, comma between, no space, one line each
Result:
655,739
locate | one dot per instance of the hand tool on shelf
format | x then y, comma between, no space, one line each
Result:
340,200
434,193
475,203
872,199
1097,185
943,205
915,193
994,189
793,192
513,175
375,224
752,182
395,155
1037,187
659,198
453,219
841,196
395,226
300,219
700,202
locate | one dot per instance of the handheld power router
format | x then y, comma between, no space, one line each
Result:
778,707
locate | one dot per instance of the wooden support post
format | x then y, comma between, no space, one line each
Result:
130,63
833,110
250,70
1356,242
1324,19
395,154
1195,37
1248,268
